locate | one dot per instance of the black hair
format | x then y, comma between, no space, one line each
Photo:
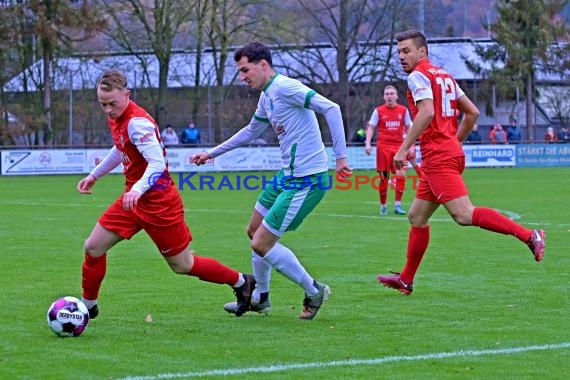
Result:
254,52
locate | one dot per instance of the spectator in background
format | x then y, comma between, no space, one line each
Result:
359,136
514,134
550,136
498,134
563,135
191,134
474,137
169,136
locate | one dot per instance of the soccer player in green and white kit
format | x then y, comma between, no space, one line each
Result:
289,107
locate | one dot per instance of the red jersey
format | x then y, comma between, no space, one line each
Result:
391,124
438,142
134,164
135,127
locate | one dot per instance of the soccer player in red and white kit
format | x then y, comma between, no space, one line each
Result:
391,121
434,97
150,202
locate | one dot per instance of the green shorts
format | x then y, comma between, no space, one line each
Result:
285,201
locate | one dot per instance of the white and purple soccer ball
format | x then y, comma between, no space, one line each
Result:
68,316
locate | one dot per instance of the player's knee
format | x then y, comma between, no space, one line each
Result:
181,263
179,269
259,247
250,231
461,218
92,248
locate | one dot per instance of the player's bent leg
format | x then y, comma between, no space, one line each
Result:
100,241
494,221
461,210
211,270
421,211
94,265
255,221
418,241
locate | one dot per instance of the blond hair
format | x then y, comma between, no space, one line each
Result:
111,80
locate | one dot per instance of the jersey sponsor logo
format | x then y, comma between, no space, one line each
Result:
419,90
437,71
279,129
146,137
393,124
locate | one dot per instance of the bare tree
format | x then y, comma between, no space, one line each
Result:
344,43
139,25
526,34
230,23
48,29
57,24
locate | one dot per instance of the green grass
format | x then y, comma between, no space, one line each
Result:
475,290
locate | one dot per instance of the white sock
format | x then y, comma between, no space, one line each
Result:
89,303
285,262
262,274
397,203
239,282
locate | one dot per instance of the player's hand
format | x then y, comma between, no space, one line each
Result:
130,200
200,158
342,169
400,158
368,149
84,186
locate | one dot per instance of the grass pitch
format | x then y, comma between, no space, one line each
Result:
481,309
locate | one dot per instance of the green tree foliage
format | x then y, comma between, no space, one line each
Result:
528,35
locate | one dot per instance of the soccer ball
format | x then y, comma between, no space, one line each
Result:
68,316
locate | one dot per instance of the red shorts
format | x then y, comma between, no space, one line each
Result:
442,182
385,158
162,218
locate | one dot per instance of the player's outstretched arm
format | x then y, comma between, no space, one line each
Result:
84,186
200,158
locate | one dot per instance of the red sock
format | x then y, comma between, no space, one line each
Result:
211,270
400,186
417,246
383,190
492,220
92,275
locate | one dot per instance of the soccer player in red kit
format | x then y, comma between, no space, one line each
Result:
434,97
391,121
150,202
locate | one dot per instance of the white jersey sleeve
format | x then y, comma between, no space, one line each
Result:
420,86
142,133
374,118
332,114
110,162
258,123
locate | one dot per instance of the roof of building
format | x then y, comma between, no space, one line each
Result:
81,72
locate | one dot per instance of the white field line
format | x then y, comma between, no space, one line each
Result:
510,214
352,362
